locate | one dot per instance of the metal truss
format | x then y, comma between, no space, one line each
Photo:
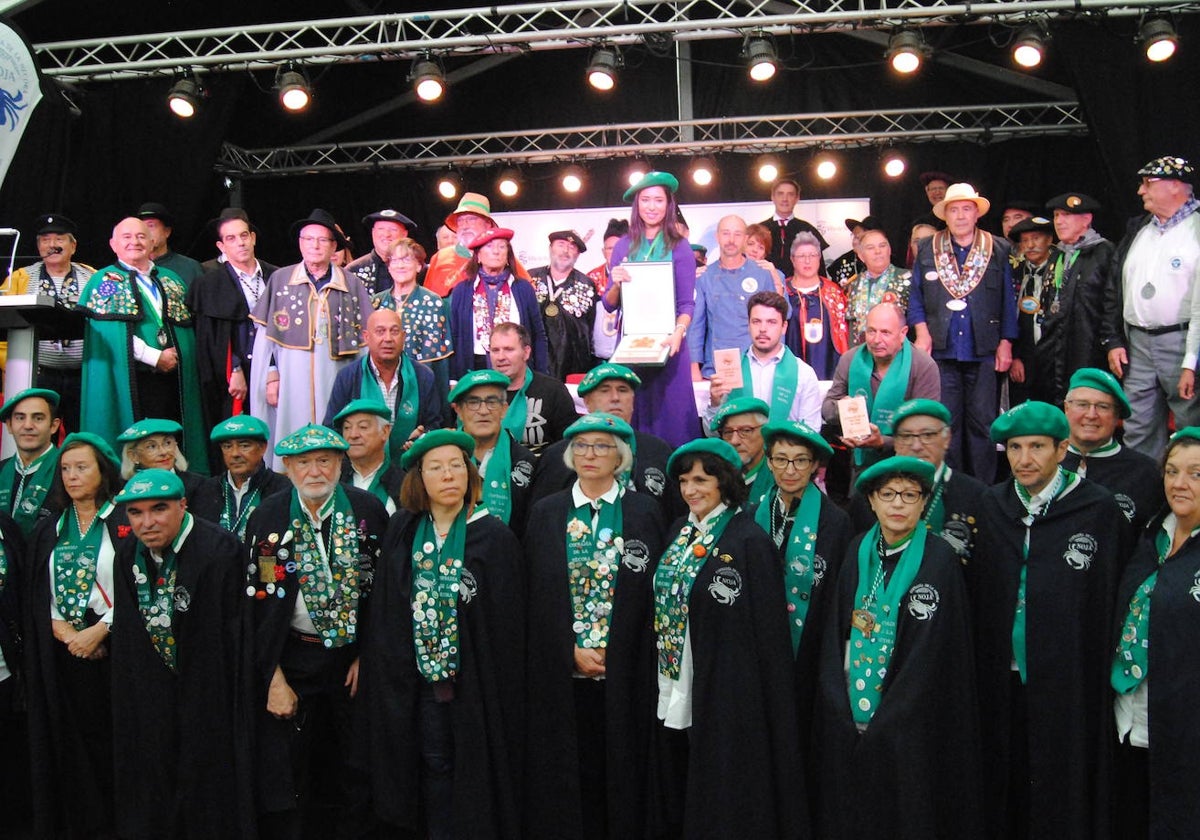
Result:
527,27
977,123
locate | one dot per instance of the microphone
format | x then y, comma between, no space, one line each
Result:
9,232
54,250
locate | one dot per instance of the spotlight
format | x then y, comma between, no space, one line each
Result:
768,170
428,79
637,171
1158,38
826,169
602,69
184,97
761,59
509,183
449,185
1030,46
703,171
906,50
893,165
294,92
572,179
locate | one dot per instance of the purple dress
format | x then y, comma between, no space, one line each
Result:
665,404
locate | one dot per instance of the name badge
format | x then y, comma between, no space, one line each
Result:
956,305
814,331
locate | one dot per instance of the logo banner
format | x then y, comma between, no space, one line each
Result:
20,92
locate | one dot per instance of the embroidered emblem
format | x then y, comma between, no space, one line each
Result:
281,319
922,601
1081,549
522,472
726,585
107,288
183,599
468,586
958,534
1128,507
819,569
1195,590
655,481
635,556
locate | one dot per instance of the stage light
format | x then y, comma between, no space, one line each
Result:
704,170
428,79
449,185
509,183
767,170
184,97
637,171
826,168
572,179
602,69
1159,39
761,59
1030,47
894,165
294,92
905,51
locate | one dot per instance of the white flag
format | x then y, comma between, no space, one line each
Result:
20,92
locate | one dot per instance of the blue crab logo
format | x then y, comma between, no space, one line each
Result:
9,107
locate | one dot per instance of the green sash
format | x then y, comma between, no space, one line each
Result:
799,574
436,582
761,480
404,417
76,557
497,478
330,587
872,635
514,418
376,488
156,594
882,404
651,252
935,509
783,389
592,563
26,503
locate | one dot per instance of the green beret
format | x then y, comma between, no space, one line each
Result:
920,408
893,466
363,406
434,439
311,438
713,446
1101,380
150,485
741,405
653,179
609,370
96,442
476,378
240,427
150,426
1192,432
601,421
1031,418
801,431
49,396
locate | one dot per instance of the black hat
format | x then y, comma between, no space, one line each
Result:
1018,204
154,210
616,227
935,175
1034,224
1073,203
570,236
226,215
866,223
325,219
53,223
389,215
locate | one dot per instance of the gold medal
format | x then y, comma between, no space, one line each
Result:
863,621
551,310
1029,305
266,570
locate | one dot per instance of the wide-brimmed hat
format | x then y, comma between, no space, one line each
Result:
154,210
1034,224
961,192
471,203
388,215
325,219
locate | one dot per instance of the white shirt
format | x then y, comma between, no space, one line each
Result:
806,405
390,392
1169,265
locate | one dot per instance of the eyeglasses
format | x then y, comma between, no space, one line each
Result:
477,403
316,240
152,446
438,469
1084,406
597,449
798,464
910,438
730,432
407,258
909,497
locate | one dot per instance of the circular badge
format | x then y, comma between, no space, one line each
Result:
749,285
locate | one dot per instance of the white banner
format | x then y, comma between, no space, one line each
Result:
20,92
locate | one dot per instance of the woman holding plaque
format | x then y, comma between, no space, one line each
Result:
897,733
666,404
441,677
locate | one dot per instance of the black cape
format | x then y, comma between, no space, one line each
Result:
10,595
209,498
744,775
960,500
1134,479
520,483
552,788
181,740
489,688
915,772
1075,556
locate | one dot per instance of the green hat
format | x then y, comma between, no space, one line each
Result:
800,430
609,370
363,406
713,446
1101,380
150,426
1031,418
148,485
49,396
311,438
741,405
653,179
896,465
920,408
96,442
434,439
1192,432
476,378
600,421
240,427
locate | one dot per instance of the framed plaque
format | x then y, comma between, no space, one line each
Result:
648,311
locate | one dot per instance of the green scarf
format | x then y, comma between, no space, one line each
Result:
799,574
518,409
436,584
935,508
673,582
404,417
156,594
761,480
873,639
497,478
882,404
376,488
330,586
651,252
592,563
76,556
783,389
27,501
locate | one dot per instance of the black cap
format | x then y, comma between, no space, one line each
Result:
325,219
54,223
866,223
388,215
154,210
935,175
1073,203
1034,224
570,236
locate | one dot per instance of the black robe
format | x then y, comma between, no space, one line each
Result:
1075,556
520,483
10,595
1133,478
488,691
552,789
208,501
181,740
649,474
915,772
1173,682
390,479
744,776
